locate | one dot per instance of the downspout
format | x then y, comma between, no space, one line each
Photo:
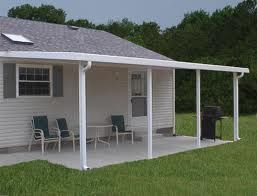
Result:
87,67
241,75
236,104
83,114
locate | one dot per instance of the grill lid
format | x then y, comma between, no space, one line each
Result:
212,111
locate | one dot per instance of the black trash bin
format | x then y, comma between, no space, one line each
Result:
210,115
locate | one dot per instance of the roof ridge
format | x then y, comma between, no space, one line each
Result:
46,23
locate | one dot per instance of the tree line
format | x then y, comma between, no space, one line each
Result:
227,36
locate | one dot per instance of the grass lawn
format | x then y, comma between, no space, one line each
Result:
230,169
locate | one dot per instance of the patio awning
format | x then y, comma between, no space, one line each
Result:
84,57
85,61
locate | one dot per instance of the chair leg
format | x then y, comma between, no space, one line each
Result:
46,145
30,142
54,145
59,145
42,146
117,138
96,142
123,139
73,143
109,138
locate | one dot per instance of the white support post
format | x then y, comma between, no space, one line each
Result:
174,101
82,118
149,113
198,107
236,111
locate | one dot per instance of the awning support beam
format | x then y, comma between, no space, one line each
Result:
149,113
174,101
198,107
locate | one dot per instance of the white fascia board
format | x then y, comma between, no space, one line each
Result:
73,56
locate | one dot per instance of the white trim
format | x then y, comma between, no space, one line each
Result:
139,96
34,65
50,67
73,56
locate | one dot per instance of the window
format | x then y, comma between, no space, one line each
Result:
34,81
138,84
139,94
17,38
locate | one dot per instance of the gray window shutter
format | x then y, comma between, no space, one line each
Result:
9,77
58,81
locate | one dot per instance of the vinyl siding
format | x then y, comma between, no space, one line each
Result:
162,99
16,113
107,94
163,104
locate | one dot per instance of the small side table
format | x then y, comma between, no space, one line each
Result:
98,128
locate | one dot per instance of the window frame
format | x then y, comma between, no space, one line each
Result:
50,67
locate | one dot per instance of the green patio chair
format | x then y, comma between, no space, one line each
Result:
41,132
120,128
66,134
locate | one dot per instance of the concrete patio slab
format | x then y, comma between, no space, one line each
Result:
104,156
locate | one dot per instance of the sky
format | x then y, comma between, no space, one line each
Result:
166,13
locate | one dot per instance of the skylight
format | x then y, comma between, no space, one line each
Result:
73,27
17,38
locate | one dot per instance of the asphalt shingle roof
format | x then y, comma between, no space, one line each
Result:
60,38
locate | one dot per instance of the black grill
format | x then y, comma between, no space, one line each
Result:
210,115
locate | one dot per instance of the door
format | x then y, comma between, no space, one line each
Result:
138,99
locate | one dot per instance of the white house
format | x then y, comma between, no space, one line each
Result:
86,76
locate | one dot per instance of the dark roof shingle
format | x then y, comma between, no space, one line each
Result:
60,38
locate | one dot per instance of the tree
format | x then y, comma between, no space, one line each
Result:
226,37
151,36
81,23
45,13
124,28
25,11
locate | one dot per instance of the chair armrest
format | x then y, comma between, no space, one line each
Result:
69,131
56,130
116,128
75,130
40,132
129,127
